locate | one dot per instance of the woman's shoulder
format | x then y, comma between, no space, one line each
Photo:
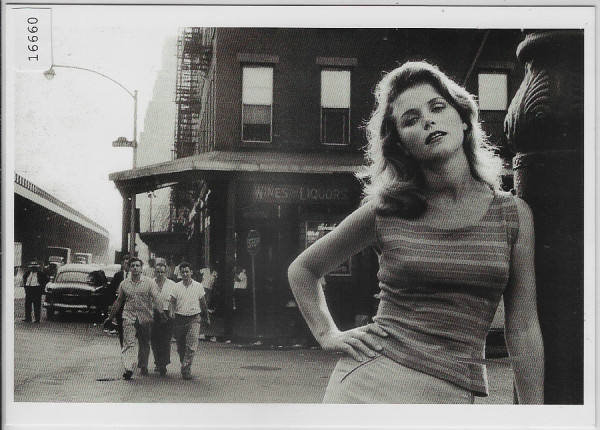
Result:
358,225
514,202
364,214
505,196
517,213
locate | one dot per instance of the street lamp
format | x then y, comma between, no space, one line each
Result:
119,142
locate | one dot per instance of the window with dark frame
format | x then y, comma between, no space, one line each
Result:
257,103
335,107
493,91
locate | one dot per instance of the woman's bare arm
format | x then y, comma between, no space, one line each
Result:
354,234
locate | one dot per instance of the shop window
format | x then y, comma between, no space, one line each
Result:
315,230
493,91
335,107
257,104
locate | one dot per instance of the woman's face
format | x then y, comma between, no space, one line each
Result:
428,126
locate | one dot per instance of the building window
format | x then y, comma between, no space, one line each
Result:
257,104
493,91
335,107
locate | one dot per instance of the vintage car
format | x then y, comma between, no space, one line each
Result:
78,288
110,270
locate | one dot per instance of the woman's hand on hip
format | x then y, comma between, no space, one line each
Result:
359,343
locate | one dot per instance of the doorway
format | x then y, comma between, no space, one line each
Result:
278,229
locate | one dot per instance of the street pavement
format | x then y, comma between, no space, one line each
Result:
74,360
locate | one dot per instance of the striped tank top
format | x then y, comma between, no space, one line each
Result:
440,290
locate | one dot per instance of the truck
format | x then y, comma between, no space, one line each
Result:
56,256
83,257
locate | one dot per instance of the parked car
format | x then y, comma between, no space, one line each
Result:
78,288
110,270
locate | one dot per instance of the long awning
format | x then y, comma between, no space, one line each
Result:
155,176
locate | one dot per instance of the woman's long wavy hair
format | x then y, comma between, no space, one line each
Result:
392,178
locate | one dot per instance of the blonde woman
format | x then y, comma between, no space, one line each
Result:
450,245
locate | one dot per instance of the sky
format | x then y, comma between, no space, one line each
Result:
64,127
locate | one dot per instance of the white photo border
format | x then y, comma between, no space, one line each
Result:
176,416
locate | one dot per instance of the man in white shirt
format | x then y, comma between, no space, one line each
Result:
139,296
188,306
34,282
162,327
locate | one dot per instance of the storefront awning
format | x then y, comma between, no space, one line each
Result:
157,176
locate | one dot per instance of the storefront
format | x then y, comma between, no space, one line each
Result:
290,201
290,212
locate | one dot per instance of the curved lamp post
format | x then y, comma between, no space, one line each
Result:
121,141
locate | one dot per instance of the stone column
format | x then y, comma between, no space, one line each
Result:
544,127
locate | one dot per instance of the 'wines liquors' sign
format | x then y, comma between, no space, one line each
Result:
300,193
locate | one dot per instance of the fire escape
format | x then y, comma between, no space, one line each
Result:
194,53
194,133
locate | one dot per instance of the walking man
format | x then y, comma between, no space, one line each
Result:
188,308
162,327
139,296
34,281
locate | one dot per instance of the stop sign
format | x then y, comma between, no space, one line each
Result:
253,242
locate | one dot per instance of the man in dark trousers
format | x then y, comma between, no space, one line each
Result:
34,281
162,326
112,289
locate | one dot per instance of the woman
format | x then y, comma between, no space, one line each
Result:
449,245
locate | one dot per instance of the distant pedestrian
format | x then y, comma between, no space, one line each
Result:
139,296
149,268
162,328
177,273
171,268
209,277
34,282
113,291
188,309
240,286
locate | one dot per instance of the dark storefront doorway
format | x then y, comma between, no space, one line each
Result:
289,216
278,229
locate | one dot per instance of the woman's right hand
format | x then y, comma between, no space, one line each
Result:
359,343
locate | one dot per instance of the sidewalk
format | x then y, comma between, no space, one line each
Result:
87,369
81,363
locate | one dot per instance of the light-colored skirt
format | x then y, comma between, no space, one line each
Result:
382,380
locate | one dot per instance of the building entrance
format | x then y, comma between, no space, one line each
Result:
278,229
290,216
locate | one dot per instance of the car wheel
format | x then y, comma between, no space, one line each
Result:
49,314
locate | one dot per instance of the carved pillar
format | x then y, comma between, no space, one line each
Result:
544,126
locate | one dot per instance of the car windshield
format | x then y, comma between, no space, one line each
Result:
79,277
